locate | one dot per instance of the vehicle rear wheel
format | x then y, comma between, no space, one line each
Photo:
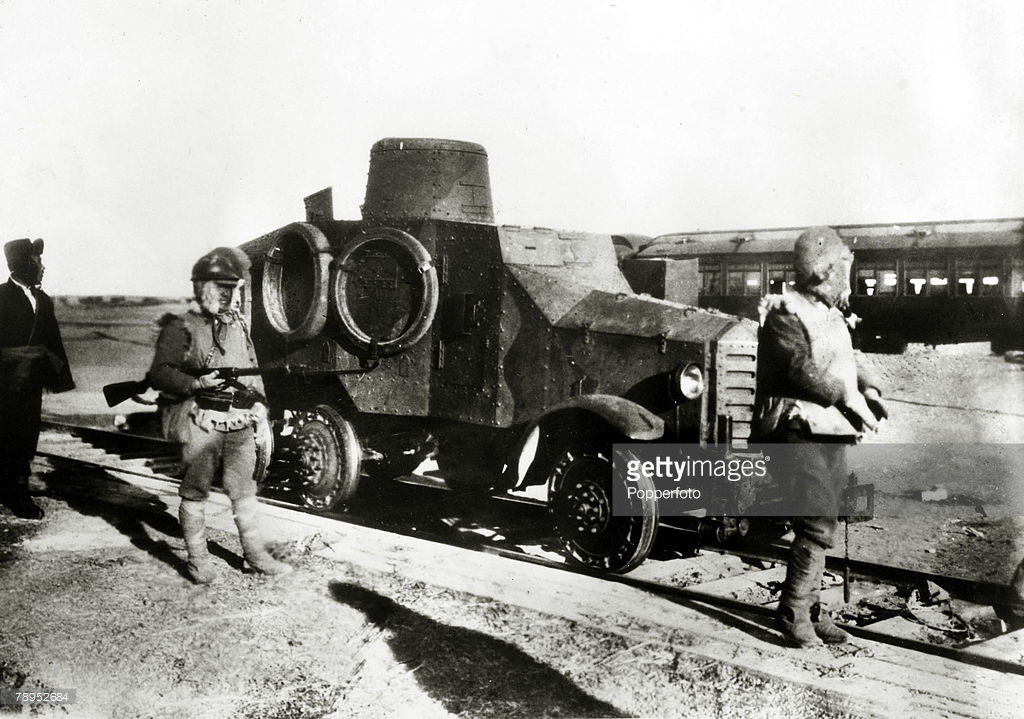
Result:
329,458
580,490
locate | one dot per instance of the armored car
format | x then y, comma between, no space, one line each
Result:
513,356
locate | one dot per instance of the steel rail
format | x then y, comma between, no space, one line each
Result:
975,591
685,594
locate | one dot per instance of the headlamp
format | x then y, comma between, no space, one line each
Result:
688,381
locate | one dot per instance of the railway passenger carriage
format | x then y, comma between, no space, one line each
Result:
932,282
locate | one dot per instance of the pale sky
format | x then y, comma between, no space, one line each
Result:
138,135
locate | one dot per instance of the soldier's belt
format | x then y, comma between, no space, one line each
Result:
223,400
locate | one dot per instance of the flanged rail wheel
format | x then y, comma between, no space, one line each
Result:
328,457
580,504
384,291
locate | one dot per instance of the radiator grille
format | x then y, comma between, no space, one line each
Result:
735,382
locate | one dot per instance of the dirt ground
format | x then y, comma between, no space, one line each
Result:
95,598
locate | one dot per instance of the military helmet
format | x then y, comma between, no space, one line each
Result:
817,250
223,264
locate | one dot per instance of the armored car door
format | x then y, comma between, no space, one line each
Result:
464,382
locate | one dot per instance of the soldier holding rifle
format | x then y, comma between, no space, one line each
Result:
813,397
32,357
215,420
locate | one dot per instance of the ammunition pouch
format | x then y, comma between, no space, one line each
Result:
219,400
247,399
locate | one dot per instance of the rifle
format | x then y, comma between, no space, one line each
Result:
118,392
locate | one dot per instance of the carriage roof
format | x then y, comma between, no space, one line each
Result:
946,235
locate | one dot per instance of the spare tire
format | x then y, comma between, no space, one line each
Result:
296,275
384,291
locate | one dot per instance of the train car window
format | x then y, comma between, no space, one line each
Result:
966,278
867,284
916,279
985,279
938,281
887,281
967,281
875,278
991,275
780,276
744,280
710,282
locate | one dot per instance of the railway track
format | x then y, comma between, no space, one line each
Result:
515,528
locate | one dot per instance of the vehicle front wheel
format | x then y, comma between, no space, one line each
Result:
580,492
328,457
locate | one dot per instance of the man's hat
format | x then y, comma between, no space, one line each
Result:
18,252
223,264
817,250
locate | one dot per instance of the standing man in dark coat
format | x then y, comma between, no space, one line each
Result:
814,398
31,357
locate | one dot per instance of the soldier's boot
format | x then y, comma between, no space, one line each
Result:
253,549
192,515
20,502
803,582
824,627
15,495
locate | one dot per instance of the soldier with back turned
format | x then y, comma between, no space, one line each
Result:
814,398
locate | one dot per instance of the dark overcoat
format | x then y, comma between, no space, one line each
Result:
21,386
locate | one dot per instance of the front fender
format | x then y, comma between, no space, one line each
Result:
624,416
611,413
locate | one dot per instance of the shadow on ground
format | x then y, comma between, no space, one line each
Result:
129,509
469,672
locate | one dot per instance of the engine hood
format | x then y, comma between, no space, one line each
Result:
567,302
